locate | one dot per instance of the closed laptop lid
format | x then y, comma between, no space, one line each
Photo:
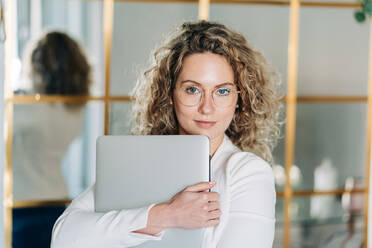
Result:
135,171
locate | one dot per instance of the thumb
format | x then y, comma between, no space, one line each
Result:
200,186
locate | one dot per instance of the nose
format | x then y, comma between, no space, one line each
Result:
206,105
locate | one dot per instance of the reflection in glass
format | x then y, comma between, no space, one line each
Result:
53,158
330,138
42,134
120,119
56,66
338,228
78,165
279,208
79,19
54,150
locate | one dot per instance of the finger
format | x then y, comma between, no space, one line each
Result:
213,205
200,186
211,196
214,214
212,222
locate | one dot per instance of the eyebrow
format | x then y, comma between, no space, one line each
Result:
192,81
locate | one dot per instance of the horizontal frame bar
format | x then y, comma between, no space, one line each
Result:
253,2
24,204
309,193
57,98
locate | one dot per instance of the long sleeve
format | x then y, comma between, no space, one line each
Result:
80,226
251,221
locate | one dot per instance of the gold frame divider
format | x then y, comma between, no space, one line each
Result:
291,113
57,98
369,137
253,2
203,9
310,193
8,175
24,204
8,125
331,99
108,26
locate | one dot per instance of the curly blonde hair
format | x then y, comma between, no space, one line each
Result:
255,126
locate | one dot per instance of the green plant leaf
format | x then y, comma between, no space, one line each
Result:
360,16
367,7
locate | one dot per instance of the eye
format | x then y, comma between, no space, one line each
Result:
192,90
223,91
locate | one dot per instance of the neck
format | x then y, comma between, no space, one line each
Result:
215,143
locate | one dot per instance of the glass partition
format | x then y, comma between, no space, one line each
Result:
137,33
333,53
327,221
120,119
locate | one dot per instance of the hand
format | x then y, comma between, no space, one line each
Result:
189,208
192,208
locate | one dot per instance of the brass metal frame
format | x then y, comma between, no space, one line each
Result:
8,124
108,26
369,137
204,9
309,193
48,98
24,204
8,176
291,112
254,2
330,99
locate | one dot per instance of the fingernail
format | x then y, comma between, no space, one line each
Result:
213,182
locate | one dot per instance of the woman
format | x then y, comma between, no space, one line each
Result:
56,65
205,80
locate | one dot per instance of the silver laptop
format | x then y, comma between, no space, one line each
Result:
135,171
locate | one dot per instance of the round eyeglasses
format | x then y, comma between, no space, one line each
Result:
191,94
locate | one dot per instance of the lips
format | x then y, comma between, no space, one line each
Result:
205,124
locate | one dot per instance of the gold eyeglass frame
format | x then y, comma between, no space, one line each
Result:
201,97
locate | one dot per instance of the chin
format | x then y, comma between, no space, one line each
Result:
211,136
194,130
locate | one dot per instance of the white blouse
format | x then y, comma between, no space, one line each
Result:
245,183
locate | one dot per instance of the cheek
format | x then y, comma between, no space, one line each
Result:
227,117
183,113
227,114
